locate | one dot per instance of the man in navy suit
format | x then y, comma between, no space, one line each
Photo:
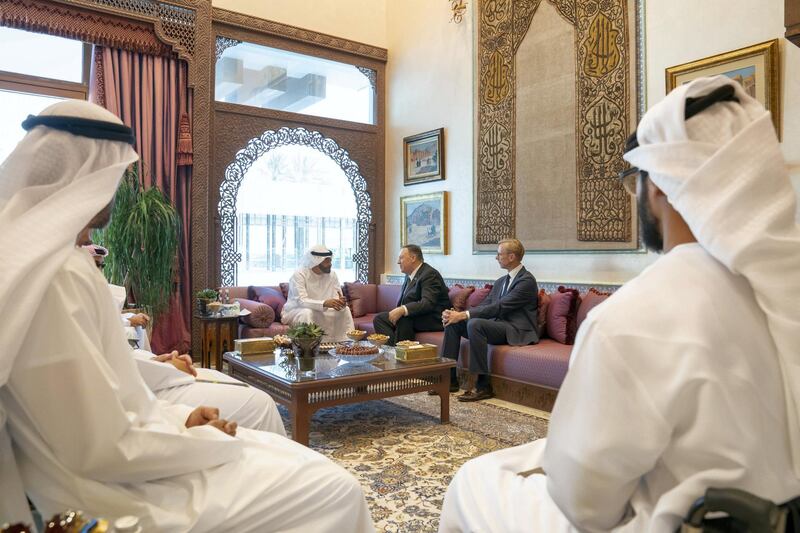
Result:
423,298
506,316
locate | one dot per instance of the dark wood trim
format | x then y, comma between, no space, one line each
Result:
268,33
792,20
285,31
12,81
299,118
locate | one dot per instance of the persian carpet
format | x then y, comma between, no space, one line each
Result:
404,457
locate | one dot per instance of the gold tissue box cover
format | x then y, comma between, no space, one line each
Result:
254,346
416,352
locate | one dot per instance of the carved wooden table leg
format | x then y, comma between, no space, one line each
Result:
444,397
300,413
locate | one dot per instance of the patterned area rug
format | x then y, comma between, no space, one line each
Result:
405,459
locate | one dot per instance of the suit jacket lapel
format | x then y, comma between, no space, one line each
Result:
516,279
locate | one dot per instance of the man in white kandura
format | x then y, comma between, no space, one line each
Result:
172,376
134,324
79,429
315,295
688,377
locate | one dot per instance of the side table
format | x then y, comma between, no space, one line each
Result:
216,337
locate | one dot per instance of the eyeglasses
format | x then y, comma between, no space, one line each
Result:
726,93
630,177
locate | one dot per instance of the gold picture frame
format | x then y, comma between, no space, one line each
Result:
423,157
756,67
423,221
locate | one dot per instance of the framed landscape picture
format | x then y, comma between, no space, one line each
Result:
423,157
756,67
423,221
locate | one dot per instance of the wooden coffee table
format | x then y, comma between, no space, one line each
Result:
334,382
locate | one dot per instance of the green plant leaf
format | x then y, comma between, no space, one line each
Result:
142,239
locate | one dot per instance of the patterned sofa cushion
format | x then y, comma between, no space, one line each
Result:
271,296
459,296
476,298
589,301
261,315
562,315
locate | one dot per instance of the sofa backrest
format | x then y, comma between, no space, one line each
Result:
361,297
387,297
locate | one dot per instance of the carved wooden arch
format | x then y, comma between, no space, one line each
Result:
255,149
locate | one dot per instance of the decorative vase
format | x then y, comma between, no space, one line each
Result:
305,364
202,307
306,347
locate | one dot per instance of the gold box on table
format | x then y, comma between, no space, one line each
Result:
254,346
415,352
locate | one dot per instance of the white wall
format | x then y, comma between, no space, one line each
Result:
358,20
430,85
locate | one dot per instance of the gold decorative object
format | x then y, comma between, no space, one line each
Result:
254,346
756,67
415,352
459,7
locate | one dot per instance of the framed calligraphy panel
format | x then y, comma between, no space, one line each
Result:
559,89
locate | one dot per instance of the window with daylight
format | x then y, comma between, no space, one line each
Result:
37,70
291,198
270,78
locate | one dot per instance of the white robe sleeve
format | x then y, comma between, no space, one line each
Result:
80,377
157,375
605,434
298,283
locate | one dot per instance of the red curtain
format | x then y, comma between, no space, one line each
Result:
151,95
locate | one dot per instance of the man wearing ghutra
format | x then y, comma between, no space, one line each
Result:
688,377
315,296
78,426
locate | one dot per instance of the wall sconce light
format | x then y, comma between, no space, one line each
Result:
458,7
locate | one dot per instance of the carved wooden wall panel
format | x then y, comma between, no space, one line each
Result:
234,126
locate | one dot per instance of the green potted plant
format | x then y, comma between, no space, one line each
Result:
306,338
204,297
142,238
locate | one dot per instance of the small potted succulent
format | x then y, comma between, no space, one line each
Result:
306,338
205,297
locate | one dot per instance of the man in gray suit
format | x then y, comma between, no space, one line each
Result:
506,316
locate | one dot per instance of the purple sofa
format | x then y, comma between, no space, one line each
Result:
528,375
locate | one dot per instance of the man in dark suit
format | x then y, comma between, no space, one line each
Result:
422,299
506,316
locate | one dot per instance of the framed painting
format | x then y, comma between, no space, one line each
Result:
423,157
423,221
756,67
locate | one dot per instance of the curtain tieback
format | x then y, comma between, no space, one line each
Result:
184,141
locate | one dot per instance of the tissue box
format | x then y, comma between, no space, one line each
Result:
254,346
416,352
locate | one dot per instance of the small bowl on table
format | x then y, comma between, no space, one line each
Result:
356,335
376,339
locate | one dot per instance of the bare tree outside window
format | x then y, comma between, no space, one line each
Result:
293,197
